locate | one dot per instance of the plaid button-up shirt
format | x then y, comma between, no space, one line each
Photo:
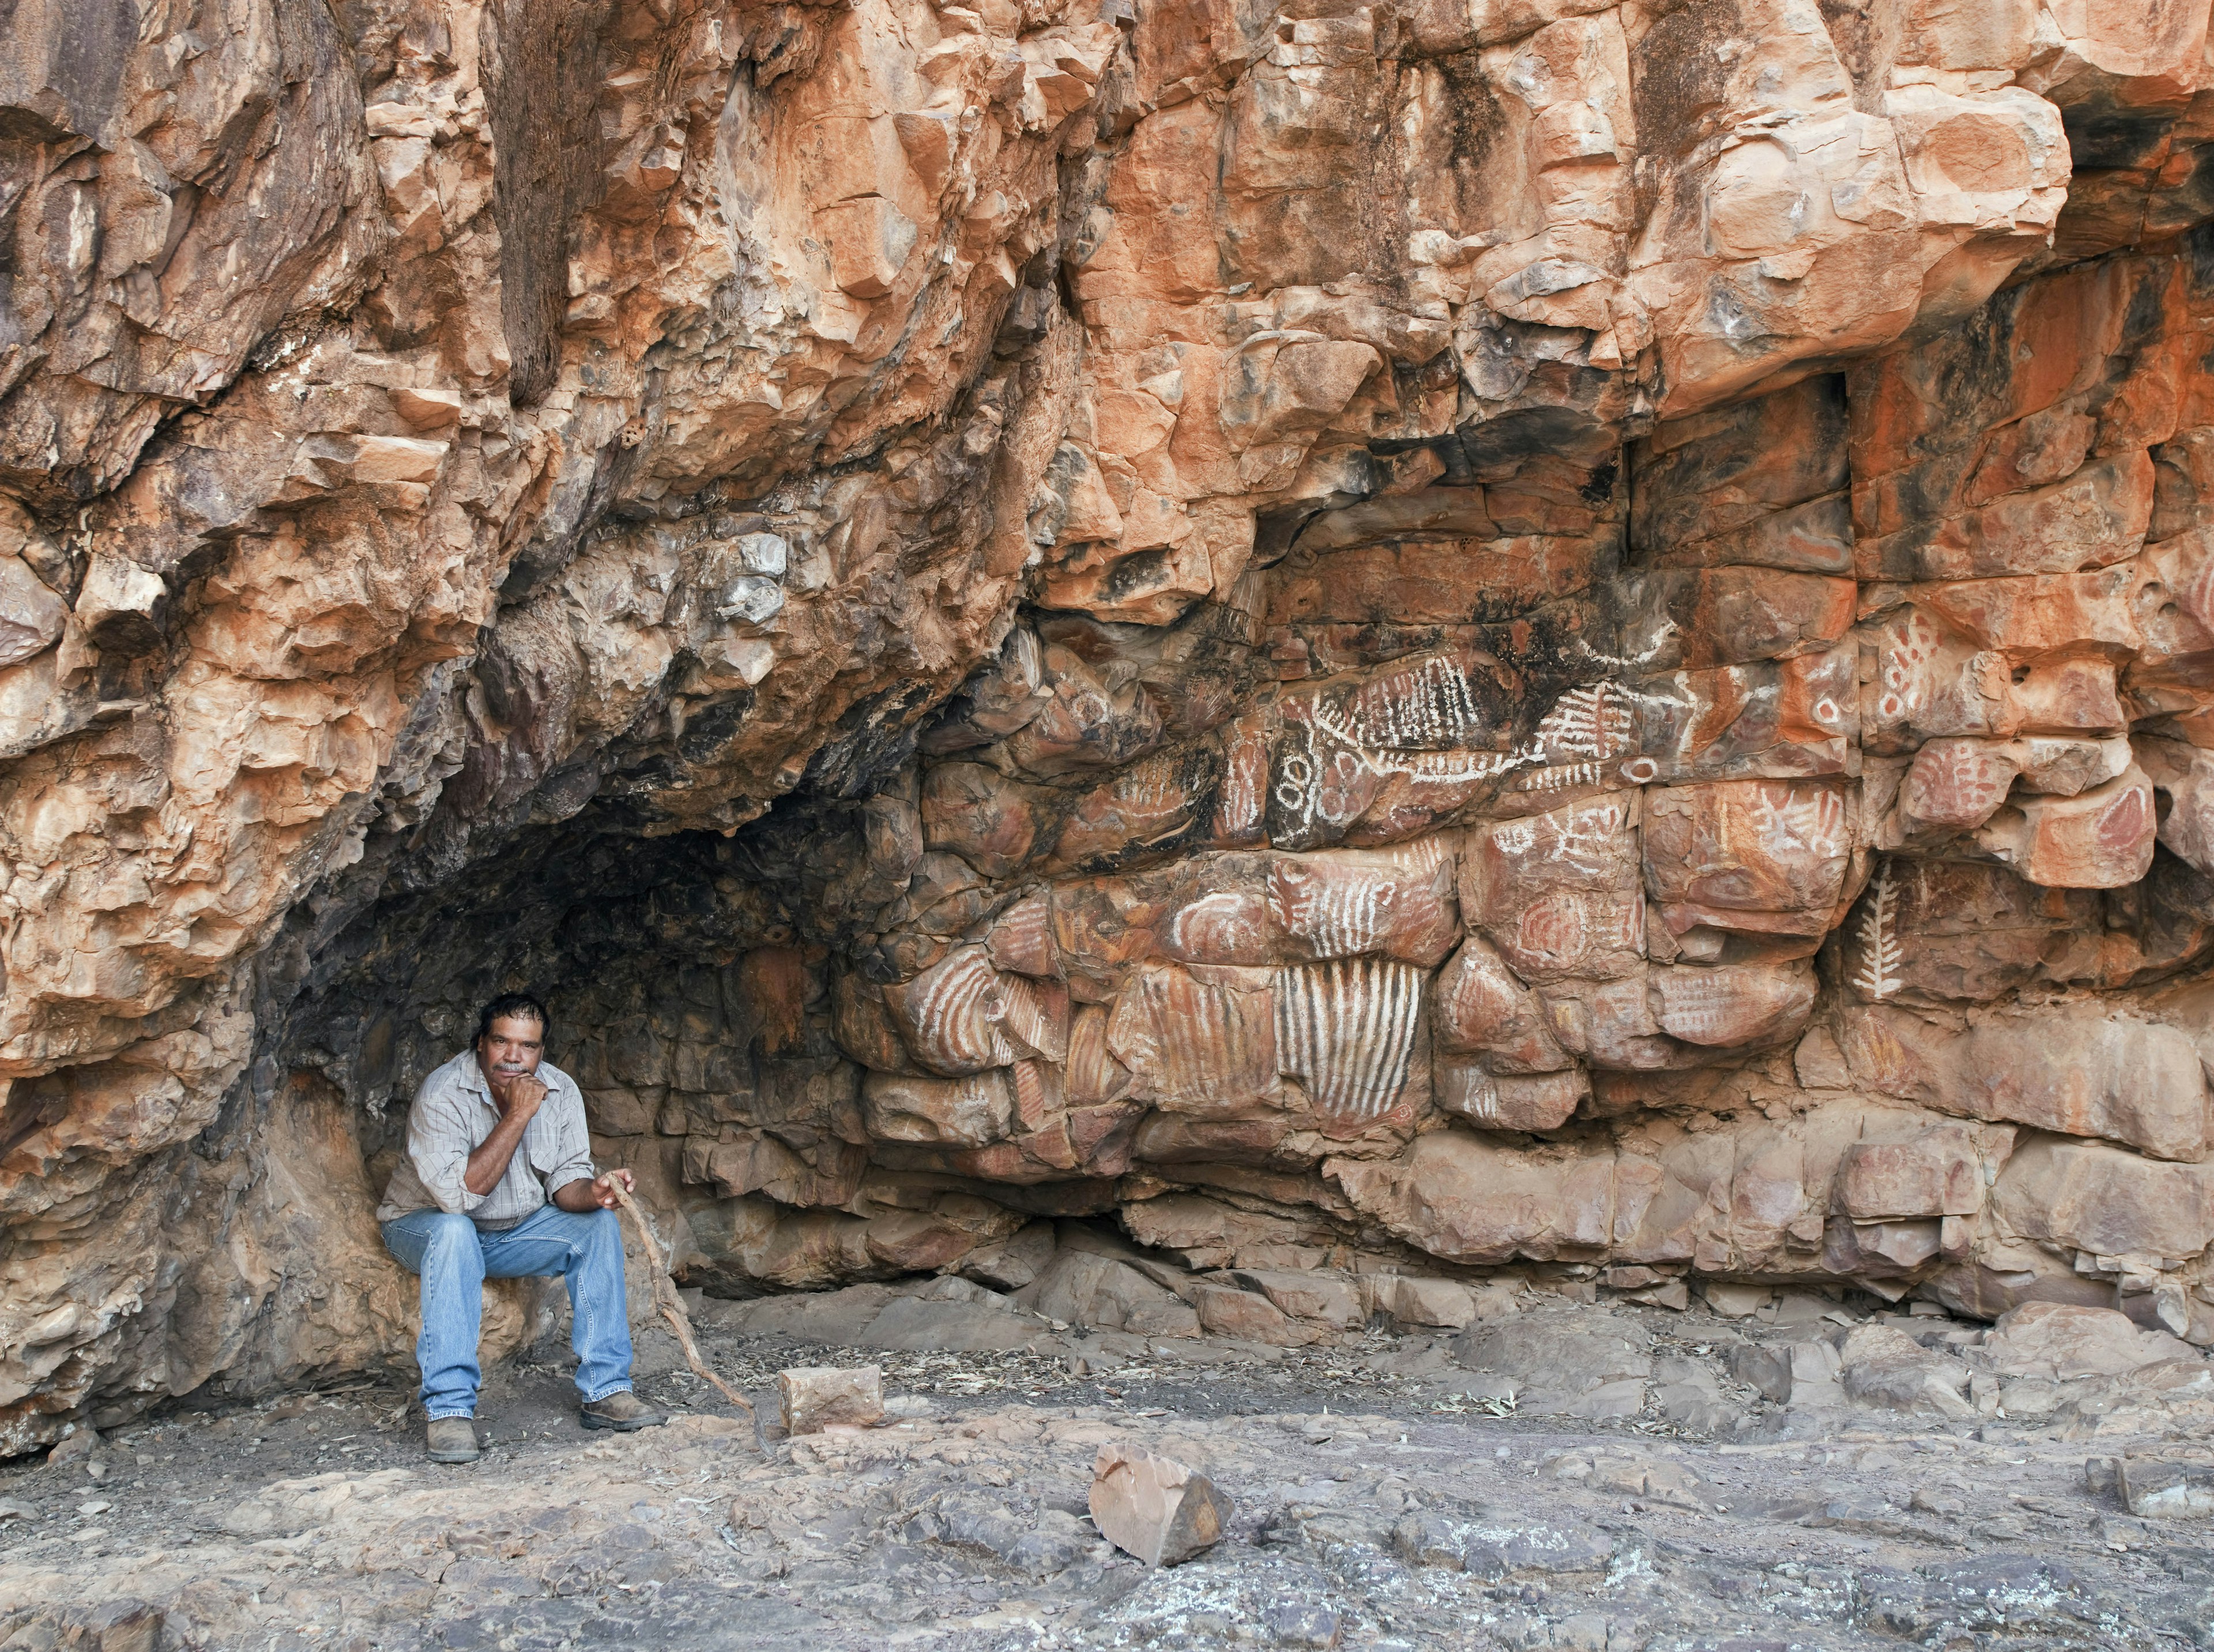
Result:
453,1114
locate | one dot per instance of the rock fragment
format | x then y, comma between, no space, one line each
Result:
1496,1549
76,1447
814,1397
1155,1508
1887,1369
2166,1488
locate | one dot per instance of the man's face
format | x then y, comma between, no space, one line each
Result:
512,1047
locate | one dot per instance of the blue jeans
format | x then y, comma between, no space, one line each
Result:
455,1257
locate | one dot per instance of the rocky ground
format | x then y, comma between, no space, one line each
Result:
1807,1475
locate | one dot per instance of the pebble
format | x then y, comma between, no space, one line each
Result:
75,1447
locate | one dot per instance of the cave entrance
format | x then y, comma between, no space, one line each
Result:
690,980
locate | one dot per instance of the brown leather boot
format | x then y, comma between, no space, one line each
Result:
451,1440
621,1410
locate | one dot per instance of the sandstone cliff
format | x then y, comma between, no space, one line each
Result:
1427,633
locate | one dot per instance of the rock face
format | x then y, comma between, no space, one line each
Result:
1414,636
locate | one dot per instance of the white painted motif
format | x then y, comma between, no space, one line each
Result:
1033,1017
1295,783
1329,787
1388,729
1346,1029
1592,722
1228,927
1464,1087
1516,838
1421,854
1036,1100
1908,645
1812,821
1880,953
1583,837
1662,636
1722,1006
1212,1047
1440,768
1094,1076
1022,938
1245,775
1432,705
1560,778
950,1011
1150,785
1336,911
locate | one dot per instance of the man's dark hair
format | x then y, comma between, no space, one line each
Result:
516,1003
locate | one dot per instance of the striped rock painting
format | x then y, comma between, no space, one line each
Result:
1242,794
1094,1076
1533,1101
1737,1004
1022,937
1344,903
1346,1030
1335,910
1432,705
949,1014
1581,740
1032,1016
1197,1039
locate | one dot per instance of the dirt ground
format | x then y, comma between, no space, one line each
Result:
1386,1497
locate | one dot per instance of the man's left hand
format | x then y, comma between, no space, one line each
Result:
603,1188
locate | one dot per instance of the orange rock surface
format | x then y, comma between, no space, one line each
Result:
1431,633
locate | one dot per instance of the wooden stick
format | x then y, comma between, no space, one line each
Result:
672,1307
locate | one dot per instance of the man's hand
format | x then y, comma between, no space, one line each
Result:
520,1096
582,1197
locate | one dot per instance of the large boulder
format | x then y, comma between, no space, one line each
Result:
1581,1362
2058,1339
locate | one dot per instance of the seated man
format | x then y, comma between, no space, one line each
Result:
496,1183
